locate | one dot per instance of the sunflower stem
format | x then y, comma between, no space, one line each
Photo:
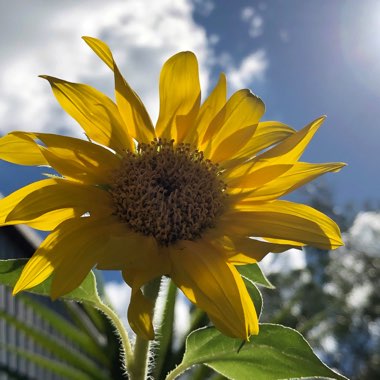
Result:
139,368
176,372
118,324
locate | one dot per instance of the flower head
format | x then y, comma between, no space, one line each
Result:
190,199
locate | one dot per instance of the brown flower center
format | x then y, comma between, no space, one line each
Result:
168,191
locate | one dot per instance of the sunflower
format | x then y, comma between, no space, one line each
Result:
191,198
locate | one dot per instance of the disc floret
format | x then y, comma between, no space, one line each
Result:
168,191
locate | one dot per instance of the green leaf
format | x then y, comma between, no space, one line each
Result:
278,352
10,271
202,372
52,365
254,273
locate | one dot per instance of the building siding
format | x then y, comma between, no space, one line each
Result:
19,242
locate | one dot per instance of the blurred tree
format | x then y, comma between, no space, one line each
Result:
334,301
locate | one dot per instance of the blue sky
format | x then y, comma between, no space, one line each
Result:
303,58
322,58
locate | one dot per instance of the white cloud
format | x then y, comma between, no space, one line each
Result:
45,39
181,317
359,296
254,20
286,262
364,235
251,67
329,344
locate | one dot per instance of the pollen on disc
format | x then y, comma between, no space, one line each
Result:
168,191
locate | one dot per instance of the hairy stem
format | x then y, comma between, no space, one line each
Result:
127,349
176,372
139,368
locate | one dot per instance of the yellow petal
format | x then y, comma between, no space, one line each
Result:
231,144
208,110
140,315
214,285
243,250
299,174
81,249
141,261
131,252
31,202
291,149
21,150
97,114
101,50
180,96
266,134
47,258
8,203
152,264
253,175
130,106
290,243
140,310
125,249
133,110
77,159
29,206
285,153
233,126
51,220
284,220
39,267
70,252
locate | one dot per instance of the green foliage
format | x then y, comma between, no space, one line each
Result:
334,301
254,273
276,353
